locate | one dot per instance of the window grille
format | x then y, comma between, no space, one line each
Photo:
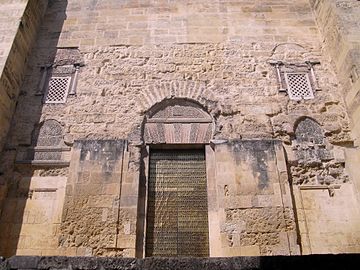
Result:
299,86
58,89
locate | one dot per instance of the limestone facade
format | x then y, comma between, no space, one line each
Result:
259,86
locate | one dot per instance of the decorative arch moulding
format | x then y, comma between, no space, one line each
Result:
178,121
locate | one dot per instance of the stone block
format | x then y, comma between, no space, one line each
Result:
128,201
262,201
83,251
242,201
111,189
102,201
232,251
70,251
126,241
50,252
250,250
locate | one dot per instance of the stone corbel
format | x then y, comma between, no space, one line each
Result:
44,156
32,191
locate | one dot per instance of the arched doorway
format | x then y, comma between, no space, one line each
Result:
176,132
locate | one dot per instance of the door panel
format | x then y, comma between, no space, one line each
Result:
177,216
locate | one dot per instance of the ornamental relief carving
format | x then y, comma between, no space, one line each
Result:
178,122
48,146
316,163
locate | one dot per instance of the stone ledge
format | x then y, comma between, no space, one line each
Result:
311,187
309,262
59,163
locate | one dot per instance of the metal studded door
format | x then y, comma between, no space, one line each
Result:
177,215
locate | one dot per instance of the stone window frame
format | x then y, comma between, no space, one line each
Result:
283,69
50,72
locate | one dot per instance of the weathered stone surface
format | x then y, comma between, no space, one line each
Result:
92,198
315,161
254,215
220,57
19,23
338,22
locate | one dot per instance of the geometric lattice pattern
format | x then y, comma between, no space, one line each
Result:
57,90
299,86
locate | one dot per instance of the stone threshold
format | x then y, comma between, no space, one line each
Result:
306,262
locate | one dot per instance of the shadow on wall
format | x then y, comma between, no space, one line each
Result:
16,175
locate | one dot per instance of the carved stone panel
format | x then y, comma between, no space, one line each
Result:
48,147
310,145
315,160
309,131
49,134
178,122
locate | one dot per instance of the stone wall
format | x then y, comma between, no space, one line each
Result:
98,219
110,22
250,206
130,56
19,23
232,79
31,216
338,22
233,89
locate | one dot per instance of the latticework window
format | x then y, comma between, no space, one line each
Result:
298,80
299,86
57,90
